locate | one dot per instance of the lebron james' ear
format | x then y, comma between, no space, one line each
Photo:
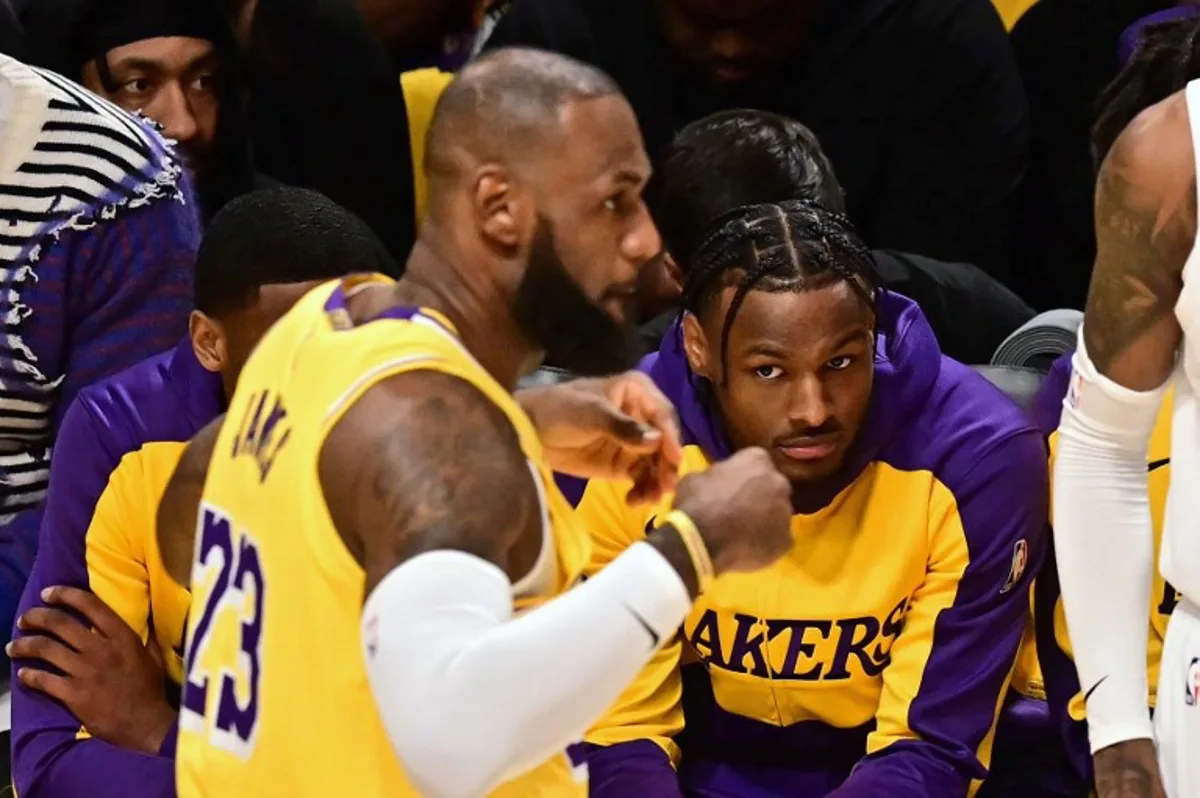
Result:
498,208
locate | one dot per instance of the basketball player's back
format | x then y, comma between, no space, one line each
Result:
276,700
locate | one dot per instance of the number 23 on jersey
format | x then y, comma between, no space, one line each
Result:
224,658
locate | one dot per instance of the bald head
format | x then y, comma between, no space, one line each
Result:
502,106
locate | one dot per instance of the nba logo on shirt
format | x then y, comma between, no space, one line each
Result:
1020,559
1074,390
1191,695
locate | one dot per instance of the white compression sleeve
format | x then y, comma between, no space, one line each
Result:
1104,546
471,696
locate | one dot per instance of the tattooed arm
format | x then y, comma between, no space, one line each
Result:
180,504
1145,229
426,482
423,461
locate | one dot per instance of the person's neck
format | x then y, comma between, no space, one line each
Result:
435,278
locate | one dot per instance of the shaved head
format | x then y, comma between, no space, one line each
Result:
503,106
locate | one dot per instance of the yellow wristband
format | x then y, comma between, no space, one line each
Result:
697,551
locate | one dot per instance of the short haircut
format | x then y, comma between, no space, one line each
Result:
503,104
280,235
1166,58
735,158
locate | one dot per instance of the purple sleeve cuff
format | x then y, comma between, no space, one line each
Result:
100,770
909,769
637,768
167,749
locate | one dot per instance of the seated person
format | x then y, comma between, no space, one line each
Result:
173,61
326,111
742,157
1053,649
872,660
97,721
918,103
1159,68
95,276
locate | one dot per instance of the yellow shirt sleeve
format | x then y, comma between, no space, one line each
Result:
125,569
650,708
116,556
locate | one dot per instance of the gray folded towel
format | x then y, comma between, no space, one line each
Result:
1038,342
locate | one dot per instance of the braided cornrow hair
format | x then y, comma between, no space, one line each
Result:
787,246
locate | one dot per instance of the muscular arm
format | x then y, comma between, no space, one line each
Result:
1145,227
181,503
424,462
427,484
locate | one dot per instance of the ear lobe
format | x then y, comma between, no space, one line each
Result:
208,341
494,206
695,346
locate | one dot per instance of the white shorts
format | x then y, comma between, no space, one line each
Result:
1177,709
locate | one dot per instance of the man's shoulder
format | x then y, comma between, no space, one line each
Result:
1154,157
135,406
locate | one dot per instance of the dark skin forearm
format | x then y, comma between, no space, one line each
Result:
180,504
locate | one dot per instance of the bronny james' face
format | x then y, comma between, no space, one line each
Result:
172,80
734,43
594,236
799,368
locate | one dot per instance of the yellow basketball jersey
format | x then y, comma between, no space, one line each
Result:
276,700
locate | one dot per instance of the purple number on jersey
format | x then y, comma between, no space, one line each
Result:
240,570
216,541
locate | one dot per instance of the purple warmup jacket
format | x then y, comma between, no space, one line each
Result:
116,447
872,660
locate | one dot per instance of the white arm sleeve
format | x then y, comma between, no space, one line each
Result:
1105,547
471,696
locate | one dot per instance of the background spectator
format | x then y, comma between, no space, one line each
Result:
173,60
100,233
918,104
327,112
262,253
746,157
